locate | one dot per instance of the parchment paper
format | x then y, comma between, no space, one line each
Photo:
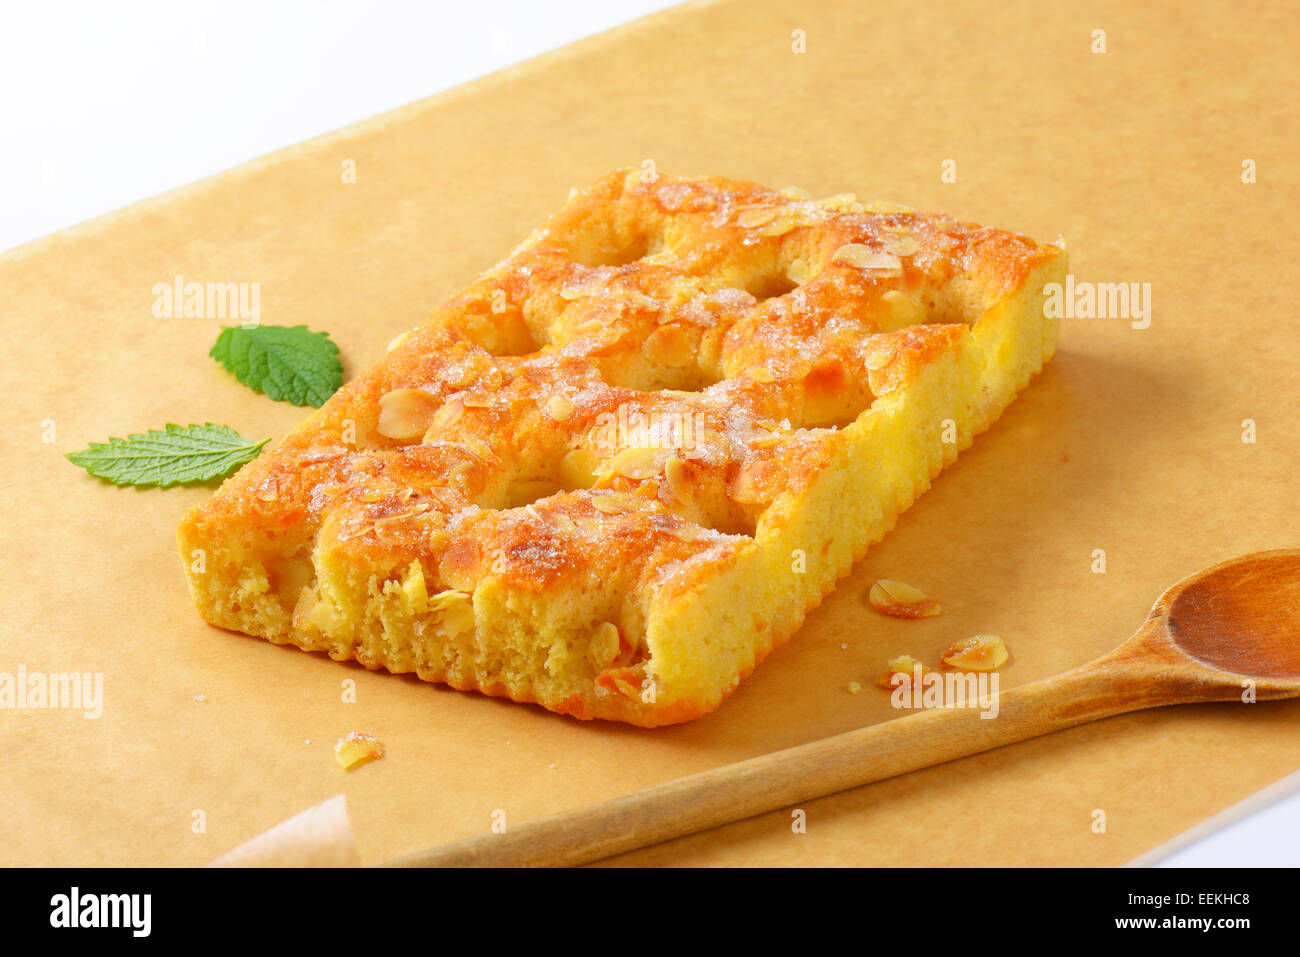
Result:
1131,442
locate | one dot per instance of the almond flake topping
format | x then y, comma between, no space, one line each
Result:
977,653
636,462
406,413
356,748
901,600
864,257
756,216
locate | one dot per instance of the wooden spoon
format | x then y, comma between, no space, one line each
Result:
1230,632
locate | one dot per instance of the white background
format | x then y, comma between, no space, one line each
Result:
105,104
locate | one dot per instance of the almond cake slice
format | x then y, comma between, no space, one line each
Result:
621,466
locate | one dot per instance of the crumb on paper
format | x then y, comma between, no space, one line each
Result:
901,600
854,687
976,653
200,698
902,665
357,747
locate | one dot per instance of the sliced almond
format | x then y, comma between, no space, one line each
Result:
689,533
445,599
636,462
901,600
419,508
841,202
774,429
406,413
322,615
604,646
779,226
478,447
977,653
444,419
756,216
799,272
864,257
621,680
356,748
453,613
886,207
902,245
303,608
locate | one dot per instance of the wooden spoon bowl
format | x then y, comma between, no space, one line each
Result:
1241,616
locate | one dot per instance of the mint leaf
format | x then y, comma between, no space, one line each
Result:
291,363
177,456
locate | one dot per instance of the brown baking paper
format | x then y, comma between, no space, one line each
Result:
1131,442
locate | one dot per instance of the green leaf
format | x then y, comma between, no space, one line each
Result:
177,456
291,363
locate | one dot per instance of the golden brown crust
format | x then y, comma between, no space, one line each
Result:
601,420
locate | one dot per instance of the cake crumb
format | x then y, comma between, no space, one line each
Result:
903,665
200,698
356,747
854,687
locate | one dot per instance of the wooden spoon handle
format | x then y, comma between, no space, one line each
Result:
784,778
